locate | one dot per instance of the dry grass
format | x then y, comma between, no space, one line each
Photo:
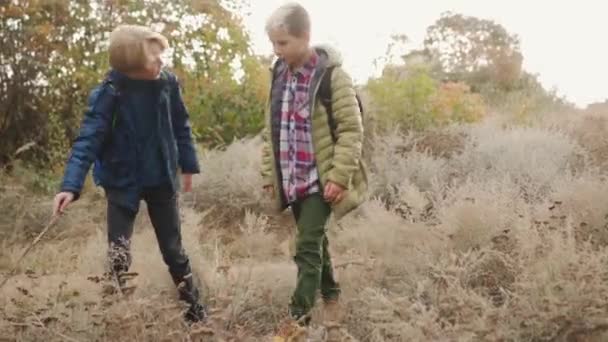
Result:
475,233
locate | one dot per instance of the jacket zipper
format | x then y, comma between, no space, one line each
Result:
312,113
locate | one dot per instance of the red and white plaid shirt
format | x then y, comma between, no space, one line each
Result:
297,158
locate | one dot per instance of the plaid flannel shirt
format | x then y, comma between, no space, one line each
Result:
297,159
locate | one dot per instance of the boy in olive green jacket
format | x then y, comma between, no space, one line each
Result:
312,152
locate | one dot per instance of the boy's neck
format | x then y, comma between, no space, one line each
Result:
303,60
142,76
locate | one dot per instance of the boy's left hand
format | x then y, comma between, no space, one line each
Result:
187,182
333,192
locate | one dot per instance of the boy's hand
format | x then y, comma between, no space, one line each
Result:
333,192
269,190
187,182
61,202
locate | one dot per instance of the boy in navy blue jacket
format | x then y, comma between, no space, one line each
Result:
137,134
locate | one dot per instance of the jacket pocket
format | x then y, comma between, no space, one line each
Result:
118,162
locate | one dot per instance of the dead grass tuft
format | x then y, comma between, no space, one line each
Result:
474,233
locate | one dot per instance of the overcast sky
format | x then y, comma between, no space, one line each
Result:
565,42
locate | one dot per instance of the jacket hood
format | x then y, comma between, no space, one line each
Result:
332,57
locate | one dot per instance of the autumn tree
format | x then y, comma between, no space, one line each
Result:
477,51
485,56
54,52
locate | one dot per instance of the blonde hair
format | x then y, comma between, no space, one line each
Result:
129,46
292,17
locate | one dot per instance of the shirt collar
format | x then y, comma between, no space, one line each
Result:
309,66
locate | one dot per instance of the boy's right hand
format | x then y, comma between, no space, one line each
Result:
269,190
62,200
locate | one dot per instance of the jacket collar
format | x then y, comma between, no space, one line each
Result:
117,77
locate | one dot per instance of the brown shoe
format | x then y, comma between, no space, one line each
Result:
290,331
332,311
337,333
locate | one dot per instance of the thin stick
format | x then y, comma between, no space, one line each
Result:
43,326
349,263
51,223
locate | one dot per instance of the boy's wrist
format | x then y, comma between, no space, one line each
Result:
75,194
338,179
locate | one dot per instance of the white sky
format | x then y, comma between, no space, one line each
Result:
565,42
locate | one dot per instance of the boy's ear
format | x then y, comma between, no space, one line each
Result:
306,36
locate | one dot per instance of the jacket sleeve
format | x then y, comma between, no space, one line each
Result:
90,139
187,159
267,157
349,129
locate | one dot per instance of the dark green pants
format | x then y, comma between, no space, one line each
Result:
312,257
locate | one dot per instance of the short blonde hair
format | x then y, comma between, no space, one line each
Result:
129,46
292,17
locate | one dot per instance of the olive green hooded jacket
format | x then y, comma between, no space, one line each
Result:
337,161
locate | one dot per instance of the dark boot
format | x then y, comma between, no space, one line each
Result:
302,320
189,293
119,260
196,313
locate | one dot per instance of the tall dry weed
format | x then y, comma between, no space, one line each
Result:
474,233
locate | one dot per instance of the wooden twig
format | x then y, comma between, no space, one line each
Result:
349,263
43,326
19,324
51,223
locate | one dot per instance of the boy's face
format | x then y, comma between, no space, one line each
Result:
288,47
153,65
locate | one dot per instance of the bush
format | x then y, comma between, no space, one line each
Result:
454,102
412,99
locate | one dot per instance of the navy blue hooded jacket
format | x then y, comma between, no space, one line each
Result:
109,137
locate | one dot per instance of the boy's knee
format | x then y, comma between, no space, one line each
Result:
309,253
311,237
309,264
175,257
174,254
